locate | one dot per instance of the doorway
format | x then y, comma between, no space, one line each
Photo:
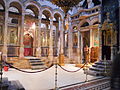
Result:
86,45
28,45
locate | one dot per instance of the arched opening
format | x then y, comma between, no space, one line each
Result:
56,39
86,45
95,23
75,36
31,30
28,45
45,33
90,3
2,17
96,2
85,24
86,41
14,21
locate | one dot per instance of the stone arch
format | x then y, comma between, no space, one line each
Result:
34,7
48,9
28,44
17,4
3,3
83,21
94,20
57,11
75,25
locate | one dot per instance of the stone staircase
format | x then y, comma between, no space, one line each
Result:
11,85
36,63
100,68
98,84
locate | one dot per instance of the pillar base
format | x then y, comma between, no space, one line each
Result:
61,59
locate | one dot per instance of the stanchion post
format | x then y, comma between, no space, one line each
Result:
86,69
105,62
56,75
1,68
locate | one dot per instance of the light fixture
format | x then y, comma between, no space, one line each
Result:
65,5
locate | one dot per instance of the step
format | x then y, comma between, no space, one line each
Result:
98,84
103,63
38,67
99,69
36,64
35,59
17,85
5,80
100,66
93,73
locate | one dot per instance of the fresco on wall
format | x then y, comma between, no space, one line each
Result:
13,34
96,38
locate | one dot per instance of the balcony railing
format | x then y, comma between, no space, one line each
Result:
85,13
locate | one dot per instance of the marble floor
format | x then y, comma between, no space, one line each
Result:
46,80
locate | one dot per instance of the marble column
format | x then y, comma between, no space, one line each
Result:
39,37
100,35
62,38
5,34
91,38
70,43
119,28
61,54
51,40
82,48
78,48
21,36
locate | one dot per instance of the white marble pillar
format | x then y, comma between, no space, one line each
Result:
78,48
21,36
51,40
90,4
5,34
82,48
70,42
39,37
61,38
112,51
119,27
61,43
100,35
91,38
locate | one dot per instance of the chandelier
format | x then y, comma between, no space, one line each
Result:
65,5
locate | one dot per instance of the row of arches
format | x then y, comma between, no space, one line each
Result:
28,20
31,8
85,23
85,33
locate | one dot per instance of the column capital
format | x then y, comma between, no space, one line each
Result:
23,13
51,19
39,17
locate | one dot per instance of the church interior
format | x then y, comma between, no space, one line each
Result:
37,35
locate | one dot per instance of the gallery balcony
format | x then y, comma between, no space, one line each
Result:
85,13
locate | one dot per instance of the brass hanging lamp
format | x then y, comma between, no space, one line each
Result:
65,5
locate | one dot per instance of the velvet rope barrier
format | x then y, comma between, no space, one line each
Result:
73,71
27,71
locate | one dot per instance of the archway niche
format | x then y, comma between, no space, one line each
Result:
31,30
